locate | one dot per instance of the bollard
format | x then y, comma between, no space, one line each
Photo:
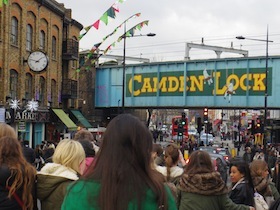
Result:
186,154
233,153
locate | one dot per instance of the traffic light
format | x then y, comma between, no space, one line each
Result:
258,126
199,125
182,126
205,115
183,120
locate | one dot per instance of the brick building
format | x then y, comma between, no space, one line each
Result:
38,25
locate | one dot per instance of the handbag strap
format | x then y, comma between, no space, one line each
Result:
16,197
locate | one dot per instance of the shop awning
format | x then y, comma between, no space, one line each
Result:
65,119
80,117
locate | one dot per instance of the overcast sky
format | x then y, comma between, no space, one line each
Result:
176,22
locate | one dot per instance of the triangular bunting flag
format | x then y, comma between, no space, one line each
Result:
104,18
96,24
111,12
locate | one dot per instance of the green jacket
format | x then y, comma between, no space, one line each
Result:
52,183
79,198
192,201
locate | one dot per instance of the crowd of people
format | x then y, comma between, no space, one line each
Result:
127,171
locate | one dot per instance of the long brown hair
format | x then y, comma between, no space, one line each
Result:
171,154
22,173
7,130
199,162
123,165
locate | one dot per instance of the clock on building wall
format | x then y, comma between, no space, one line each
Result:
37,61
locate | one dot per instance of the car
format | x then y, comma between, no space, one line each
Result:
208,149
225,153
206,139
192,132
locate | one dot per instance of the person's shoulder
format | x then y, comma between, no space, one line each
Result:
82,184
161,169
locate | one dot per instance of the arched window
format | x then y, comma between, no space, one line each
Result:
54,46
1,25
29,37
42,40
14,31
53,91
13,83
28,86
42,89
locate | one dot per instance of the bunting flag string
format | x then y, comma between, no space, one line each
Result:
3,2
96,46
110,13
129,33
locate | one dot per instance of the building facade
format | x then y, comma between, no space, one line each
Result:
45,26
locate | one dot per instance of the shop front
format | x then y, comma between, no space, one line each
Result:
29,125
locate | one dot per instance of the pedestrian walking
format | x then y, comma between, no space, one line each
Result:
242,191
54,178
86,139
171,170
122,177
262,181
28,152
201,187
17,176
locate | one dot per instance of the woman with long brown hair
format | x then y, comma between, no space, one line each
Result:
201,187
17,180
122,177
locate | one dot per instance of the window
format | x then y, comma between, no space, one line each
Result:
53,90
53,47
28,87
14,31
42,91
42,40
13,84
1,25
29,36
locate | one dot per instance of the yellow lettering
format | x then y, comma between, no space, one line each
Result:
243,81
258,82
235,82
182,84
219,91
155,81
162,84
146,86
137,78
173,84
196,83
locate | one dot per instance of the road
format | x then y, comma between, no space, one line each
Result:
226,143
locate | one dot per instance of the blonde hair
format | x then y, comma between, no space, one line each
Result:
69,153
7,130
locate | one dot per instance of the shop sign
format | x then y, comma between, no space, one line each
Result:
21,126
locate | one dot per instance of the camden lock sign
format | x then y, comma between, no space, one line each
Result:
200,83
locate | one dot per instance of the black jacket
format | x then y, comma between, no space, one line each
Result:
242,194
5,202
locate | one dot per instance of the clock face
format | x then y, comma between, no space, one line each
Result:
37,61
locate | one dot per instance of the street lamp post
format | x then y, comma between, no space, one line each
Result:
124,64
266,75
